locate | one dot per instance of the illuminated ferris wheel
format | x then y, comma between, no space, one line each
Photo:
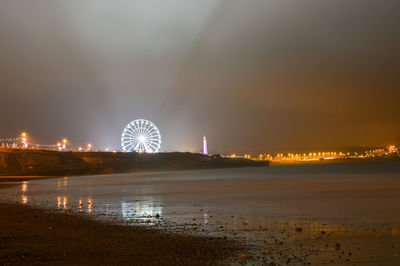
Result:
141,136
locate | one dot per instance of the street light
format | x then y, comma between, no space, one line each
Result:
65,141
24,139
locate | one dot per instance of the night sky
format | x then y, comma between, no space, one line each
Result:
252,76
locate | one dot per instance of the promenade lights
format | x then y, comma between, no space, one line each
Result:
64,141
24,139
62,145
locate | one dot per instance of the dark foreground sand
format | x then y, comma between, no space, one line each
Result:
33,236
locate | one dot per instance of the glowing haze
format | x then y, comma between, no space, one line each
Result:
252,76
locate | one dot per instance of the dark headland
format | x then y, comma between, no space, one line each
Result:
21,162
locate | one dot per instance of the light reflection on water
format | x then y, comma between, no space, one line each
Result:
90,205
62,202
143,209
24,189
140,208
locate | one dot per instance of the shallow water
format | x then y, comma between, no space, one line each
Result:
260,205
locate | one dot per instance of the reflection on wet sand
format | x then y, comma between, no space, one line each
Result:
62,202
24,187
63,198
24,190
89,205
205,218
144,210
80,205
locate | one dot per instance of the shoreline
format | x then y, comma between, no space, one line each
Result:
38,236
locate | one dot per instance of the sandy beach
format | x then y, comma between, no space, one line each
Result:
335,214
33,236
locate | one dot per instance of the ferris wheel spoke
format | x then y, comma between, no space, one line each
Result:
152,131
147,129
129,133
153,134
153,140
157,143
151,128
138,126
150,136
127,141
136,146
143,130
143,125
134,129
128,138
130,127
151,143
153,147
156,137
130,145
146,147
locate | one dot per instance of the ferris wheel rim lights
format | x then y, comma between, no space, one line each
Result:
141,135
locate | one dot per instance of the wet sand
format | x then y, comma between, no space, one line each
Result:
317,214
33,236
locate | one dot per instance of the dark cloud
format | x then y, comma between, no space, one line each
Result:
251,75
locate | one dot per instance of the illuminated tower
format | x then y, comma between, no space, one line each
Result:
205,150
